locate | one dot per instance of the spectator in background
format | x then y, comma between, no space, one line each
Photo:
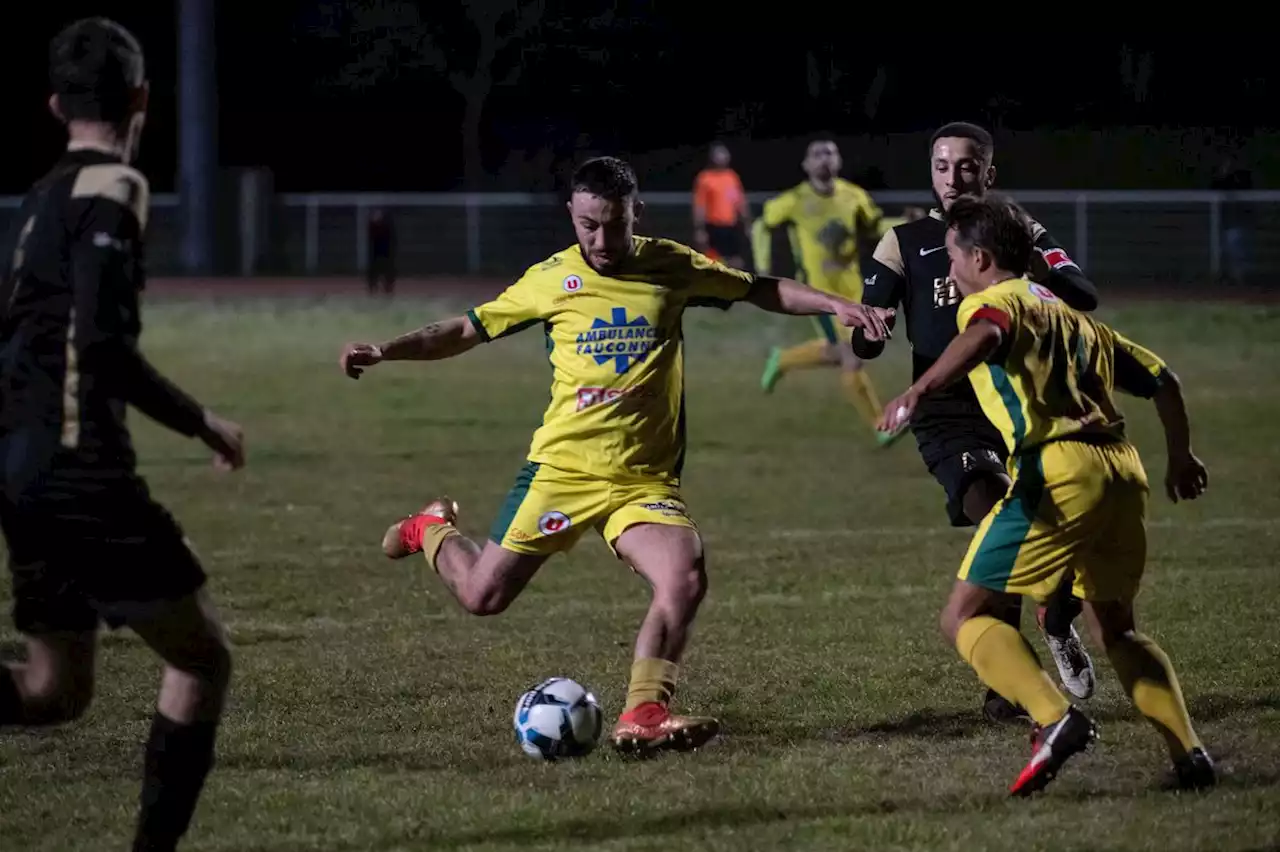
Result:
1231,177
382,253
721,217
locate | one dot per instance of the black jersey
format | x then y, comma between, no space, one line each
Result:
69,327
910,271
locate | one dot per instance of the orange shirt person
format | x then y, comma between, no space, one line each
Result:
721,216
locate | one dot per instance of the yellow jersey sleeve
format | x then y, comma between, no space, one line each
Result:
993,305
1138,371
515,309
712,284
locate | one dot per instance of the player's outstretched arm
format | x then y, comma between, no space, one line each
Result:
433,342
974,346
1186,477
785,296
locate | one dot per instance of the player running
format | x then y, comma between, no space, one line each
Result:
611,447
962,450
824,217
86,541
1045,376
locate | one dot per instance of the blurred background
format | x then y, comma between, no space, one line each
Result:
314,138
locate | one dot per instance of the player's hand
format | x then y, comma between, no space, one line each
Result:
874,322
897,413
226,439
357,356
1186,479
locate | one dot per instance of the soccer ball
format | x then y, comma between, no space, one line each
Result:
557,718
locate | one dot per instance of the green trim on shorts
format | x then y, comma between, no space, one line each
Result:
992,565
826,327
515,498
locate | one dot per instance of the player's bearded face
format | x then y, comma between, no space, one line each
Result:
604,227
957,170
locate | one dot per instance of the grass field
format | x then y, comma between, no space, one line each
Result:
369,712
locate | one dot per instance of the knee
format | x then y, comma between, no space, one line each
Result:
53,701
211,664
685,587
485,601
949,623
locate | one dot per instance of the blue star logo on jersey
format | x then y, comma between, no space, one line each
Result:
625,342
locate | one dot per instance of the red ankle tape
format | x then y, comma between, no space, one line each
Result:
411,531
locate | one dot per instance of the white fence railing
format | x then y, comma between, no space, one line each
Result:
1174,237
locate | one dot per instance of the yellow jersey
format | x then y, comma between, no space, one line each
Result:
824,233
1056,369
616,351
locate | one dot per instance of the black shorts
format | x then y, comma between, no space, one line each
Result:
957,458
107,556
725,240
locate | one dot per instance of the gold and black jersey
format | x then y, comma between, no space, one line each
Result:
69,327
910,271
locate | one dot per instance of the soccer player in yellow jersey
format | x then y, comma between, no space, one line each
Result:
823,216
1045,376
611,447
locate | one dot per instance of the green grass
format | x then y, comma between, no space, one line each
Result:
370,712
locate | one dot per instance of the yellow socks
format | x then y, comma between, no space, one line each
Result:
652,680
860,391
1003,661
1148,677
433,538
812,353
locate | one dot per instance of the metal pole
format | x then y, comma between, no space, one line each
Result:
197,133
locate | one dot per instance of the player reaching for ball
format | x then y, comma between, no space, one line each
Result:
1045,376
961,449
609,453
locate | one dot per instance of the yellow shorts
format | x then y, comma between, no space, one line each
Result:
548,510
1073,506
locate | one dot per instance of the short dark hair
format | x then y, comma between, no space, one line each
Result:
94,67
607,177
996,224
964,130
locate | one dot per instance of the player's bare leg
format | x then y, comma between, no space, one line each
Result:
671,560
54,685
1149,679
188,635
1004,661
485,580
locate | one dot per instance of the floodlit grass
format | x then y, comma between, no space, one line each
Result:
370,712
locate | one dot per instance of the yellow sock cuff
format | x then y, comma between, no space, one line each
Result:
862,393
652,680
433,538
970,632
809,354
1004,662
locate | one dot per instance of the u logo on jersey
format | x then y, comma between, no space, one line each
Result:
945,292
625,342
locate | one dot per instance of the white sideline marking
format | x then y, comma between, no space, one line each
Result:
934,531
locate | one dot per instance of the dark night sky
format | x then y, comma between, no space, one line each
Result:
648,76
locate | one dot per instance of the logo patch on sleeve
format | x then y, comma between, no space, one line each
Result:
1057,258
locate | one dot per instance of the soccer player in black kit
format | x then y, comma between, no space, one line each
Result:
86,542
962,450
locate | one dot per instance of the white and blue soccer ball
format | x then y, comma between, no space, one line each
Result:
558,718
